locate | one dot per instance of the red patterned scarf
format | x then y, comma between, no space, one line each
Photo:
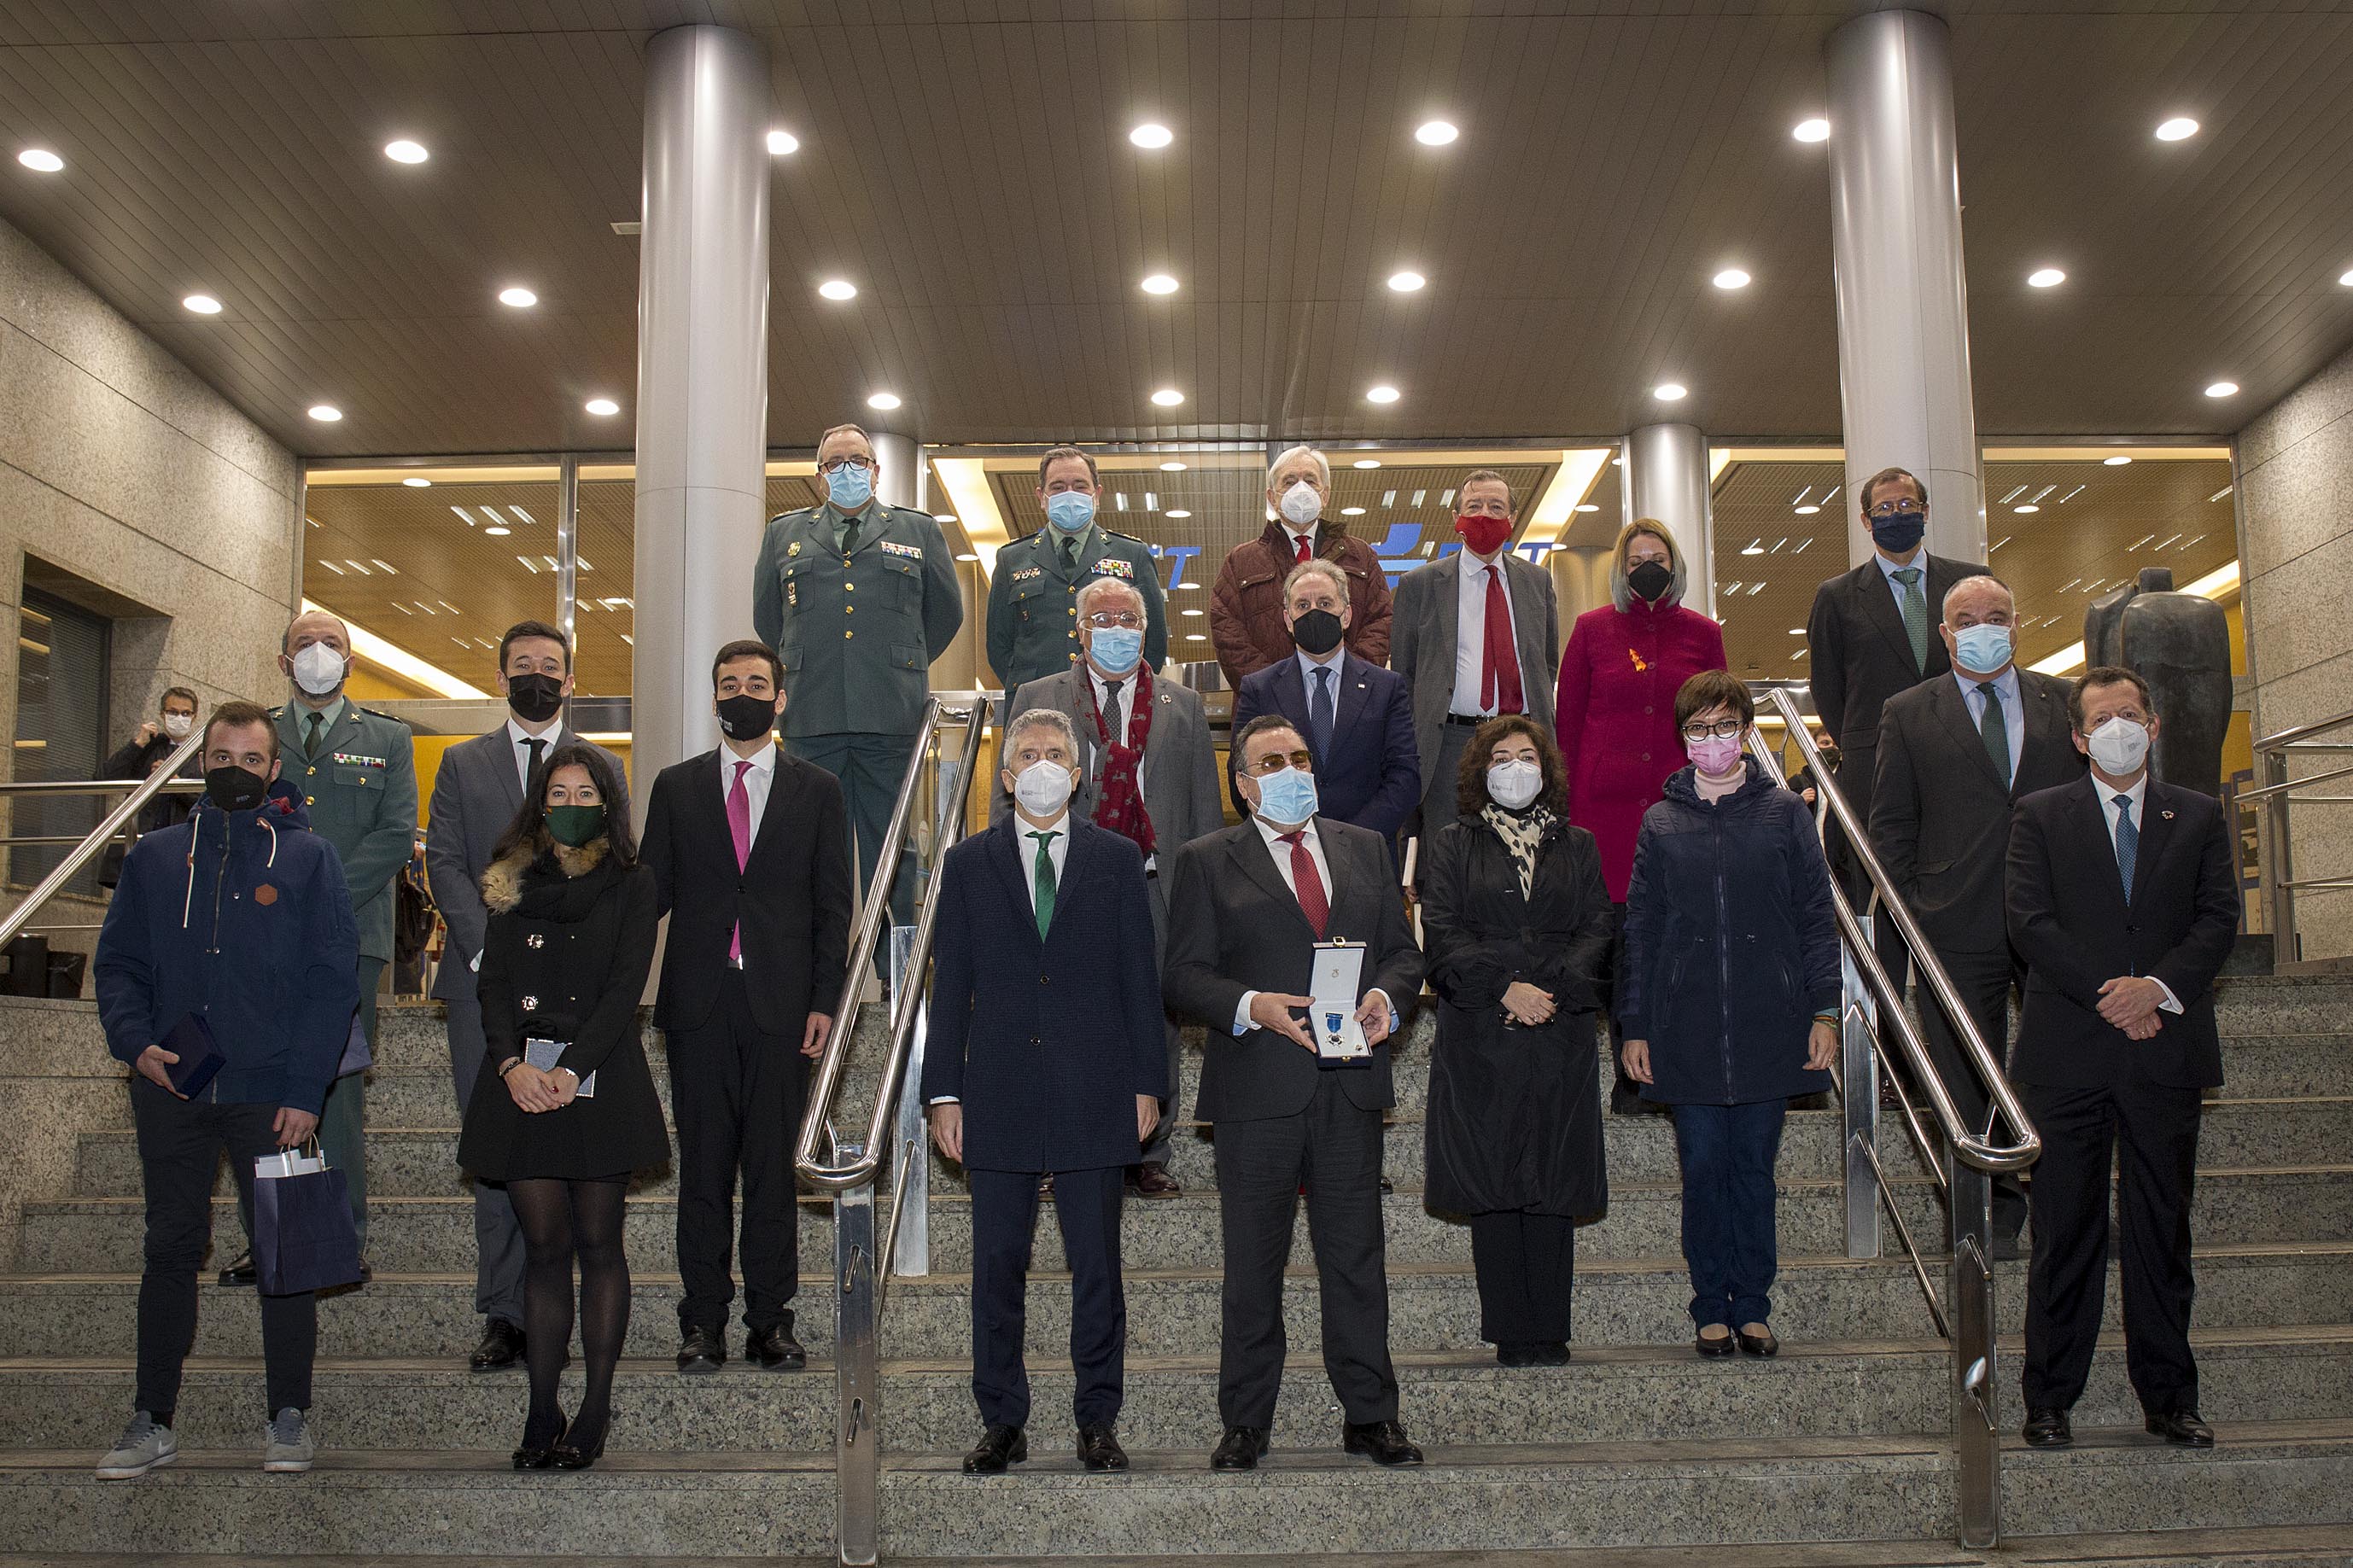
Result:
1120,808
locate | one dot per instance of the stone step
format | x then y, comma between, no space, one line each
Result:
1175,1312
1483,1499
1609,1392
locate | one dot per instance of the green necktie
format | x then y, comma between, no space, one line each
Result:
1045,897
1915,617
1995,728
848,532
1069,552
311,741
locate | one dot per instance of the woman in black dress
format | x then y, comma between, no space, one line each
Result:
568,1109
1517,925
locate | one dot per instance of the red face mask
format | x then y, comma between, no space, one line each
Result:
1483,535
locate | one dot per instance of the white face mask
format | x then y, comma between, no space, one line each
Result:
2118,747
1302,505
1515,784
318,670
177,725
1042,788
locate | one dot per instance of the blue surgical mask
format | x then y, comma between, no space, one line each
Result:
1981,650
849,485
1116,648
1286,797
1069,510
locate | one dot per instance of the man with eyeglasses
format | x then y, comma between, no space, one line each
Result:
1033,600
858,597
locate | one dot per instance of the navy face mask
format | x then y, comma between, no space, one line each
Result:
1899,531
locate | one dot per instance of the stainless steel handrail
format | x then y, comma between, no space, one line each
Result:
2275,794
104,786
95,841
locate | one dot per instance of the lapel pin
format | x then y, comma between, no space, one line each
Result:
2166,814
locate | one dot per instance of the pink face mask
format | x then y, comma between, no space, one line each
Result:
1714,756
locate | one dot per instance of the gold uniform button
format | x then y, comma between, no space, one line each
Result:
310,800
847,636
850,587
849,609
311,771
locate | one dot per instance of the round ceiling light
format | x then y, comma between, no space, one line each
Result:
325,413
1586,506
2119,461
40,160
1731,278
405,151
1172,468
418,483
2222,389
1176,512
521,298
1351,512
497,531
1670,392
2045,278
942,517
1435,133
2346,278
1152,136
1168,397
1383,393
967,556
1405,282
602,408
2180,127
2026,509
838,288
783,143
1808,511
203,304
1160,283
1816,130
1365,463
883,400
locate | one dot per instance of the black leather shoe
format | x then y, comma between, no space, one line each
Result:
1152,1180
1382,1442
1099,1448
502,1348
1514,1355
539,1456
774,1349
1708,1345
1241,1449
2047,1428
1556,1353
241,1272
2182,1429
570,1455
1388,1188
367,1275
702,1351
1763,1344
1000,1447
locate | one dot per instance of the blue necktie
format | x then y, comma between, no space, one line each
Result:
2127,843
1319,714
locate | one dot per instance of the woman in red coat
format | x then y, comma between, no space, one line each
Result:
1615,712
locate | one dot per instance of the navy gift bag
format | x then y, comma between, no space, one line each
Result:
303,1239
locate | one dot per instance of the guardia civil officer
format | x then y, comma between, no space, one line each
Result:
1033,603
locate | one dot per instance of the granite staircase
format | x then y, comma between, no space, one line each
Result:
1837,1450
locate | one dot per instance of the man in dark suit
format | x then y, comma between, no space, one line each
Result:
477,791
1061,1077
1871,634
1954,754
750,853
2122,896
1247,907
1357,717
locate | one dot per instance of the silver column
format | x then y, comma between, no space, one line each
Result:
1896,243
1666,478
898,458
703,377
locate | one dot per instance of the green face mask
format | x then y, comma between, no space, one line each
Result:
576,824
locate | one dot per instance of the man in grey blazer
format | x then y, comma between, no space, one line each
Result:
476,793
1176,770
1453,662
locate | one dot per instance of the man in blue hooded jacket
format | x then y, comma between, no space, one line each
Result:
240,917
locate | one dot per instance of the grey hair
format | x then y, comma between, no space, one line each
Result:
1052,719
1323,464
1621,593
1316,566
1974,580
1095,588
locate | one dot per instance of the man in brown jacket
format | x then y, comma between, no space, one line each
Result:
1246,622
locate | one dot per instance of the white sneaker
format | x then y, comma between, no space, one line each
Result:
141,1447
290,1445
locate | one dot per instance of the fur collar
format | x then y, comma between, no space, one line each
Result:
502,883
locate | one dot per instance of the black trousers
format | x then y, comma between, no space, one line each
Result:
1984,980
737,1093
1526,1263
180,1146
1003,1217
1334,1149
2150,1133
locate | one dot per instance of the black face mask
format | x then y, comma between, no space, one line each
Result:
747,718
1899,533
232,788
1650,581
1317,632
534,698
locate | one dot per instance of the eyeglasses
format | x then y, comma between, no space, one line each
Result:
1103,621
1888,509
1722,729
1275,762
852,461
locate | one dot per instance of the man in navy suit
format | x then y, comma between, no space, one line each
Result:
2123,896
1062,1076
1357,717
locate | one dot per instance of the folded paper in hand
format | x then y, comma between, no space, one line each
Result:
544,1054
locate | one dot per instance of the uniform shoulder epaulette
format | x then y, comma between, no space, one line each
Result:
788,516
278,711
380,713
912,511
1114,533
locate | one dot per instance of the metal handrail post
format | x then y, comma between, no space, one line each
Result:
89,849
1858,1106
1977,1441
2279,899
857,1373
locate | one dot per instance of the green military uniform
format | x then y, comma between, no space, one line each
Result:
857,628
1033,604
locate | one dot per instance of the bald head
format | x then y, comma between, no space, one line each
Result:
317,625
316,655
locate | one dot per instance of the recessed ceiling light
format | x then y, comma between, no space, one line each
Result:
417,482
967,556
836,288
1670,392
2345,279
521,298
1586,506
782,144
1407,282
41,159
1797,631
1351,512
1731,278
1192,612
1152,136
2045,278
2180,127
496,532
602,407
1816,130
1168,397
325,413
1172,468
1160,283
2025,509
1366,463
883,400
203,304
2119,461
1384,393
1195,636
1808,511
1435,133
942,517
2223,389
1176,512
405,152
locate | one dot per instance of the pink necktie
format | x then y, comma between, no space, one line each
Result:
739,828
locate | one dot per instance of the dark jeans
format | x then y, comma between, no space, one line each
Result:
737,1093
1003,1218
180,1146
1526,1263
1728,1153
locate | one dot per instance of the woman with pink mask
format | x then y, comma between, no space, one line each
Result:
1728,997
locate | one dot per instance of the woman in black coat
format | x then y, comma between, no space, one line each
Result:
1517,926
568,1109
1728,995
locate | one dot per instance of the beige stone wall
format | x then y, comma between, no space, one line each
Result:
2294,496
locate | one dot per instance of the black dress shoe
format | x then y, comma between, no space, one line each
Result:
1241,1449
1382,1442
2047,1428
570,1453
1763,1344
242,1272
702,1351
1099,1448
1710,1345
1514,1355
1554,1353
367,1275
2182,1429
501,1349
1000,1447
1388,1188
541,1454
1152,1180
774,1349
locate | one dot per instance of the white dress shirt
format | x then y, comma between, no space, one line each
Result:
1272,837
1296,537
1471,633
1058,850
757,781
2135,797
2013,710
1116,721
1309,664
517,735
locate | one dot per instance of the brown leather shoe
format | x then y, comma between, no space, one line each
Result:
1153,1180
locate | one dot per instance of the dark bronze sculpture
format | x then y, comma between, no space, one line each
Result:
2179,644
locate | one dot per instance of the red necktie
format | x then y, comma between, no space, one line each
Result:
1309,885
1304,552
739,828
1498,679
